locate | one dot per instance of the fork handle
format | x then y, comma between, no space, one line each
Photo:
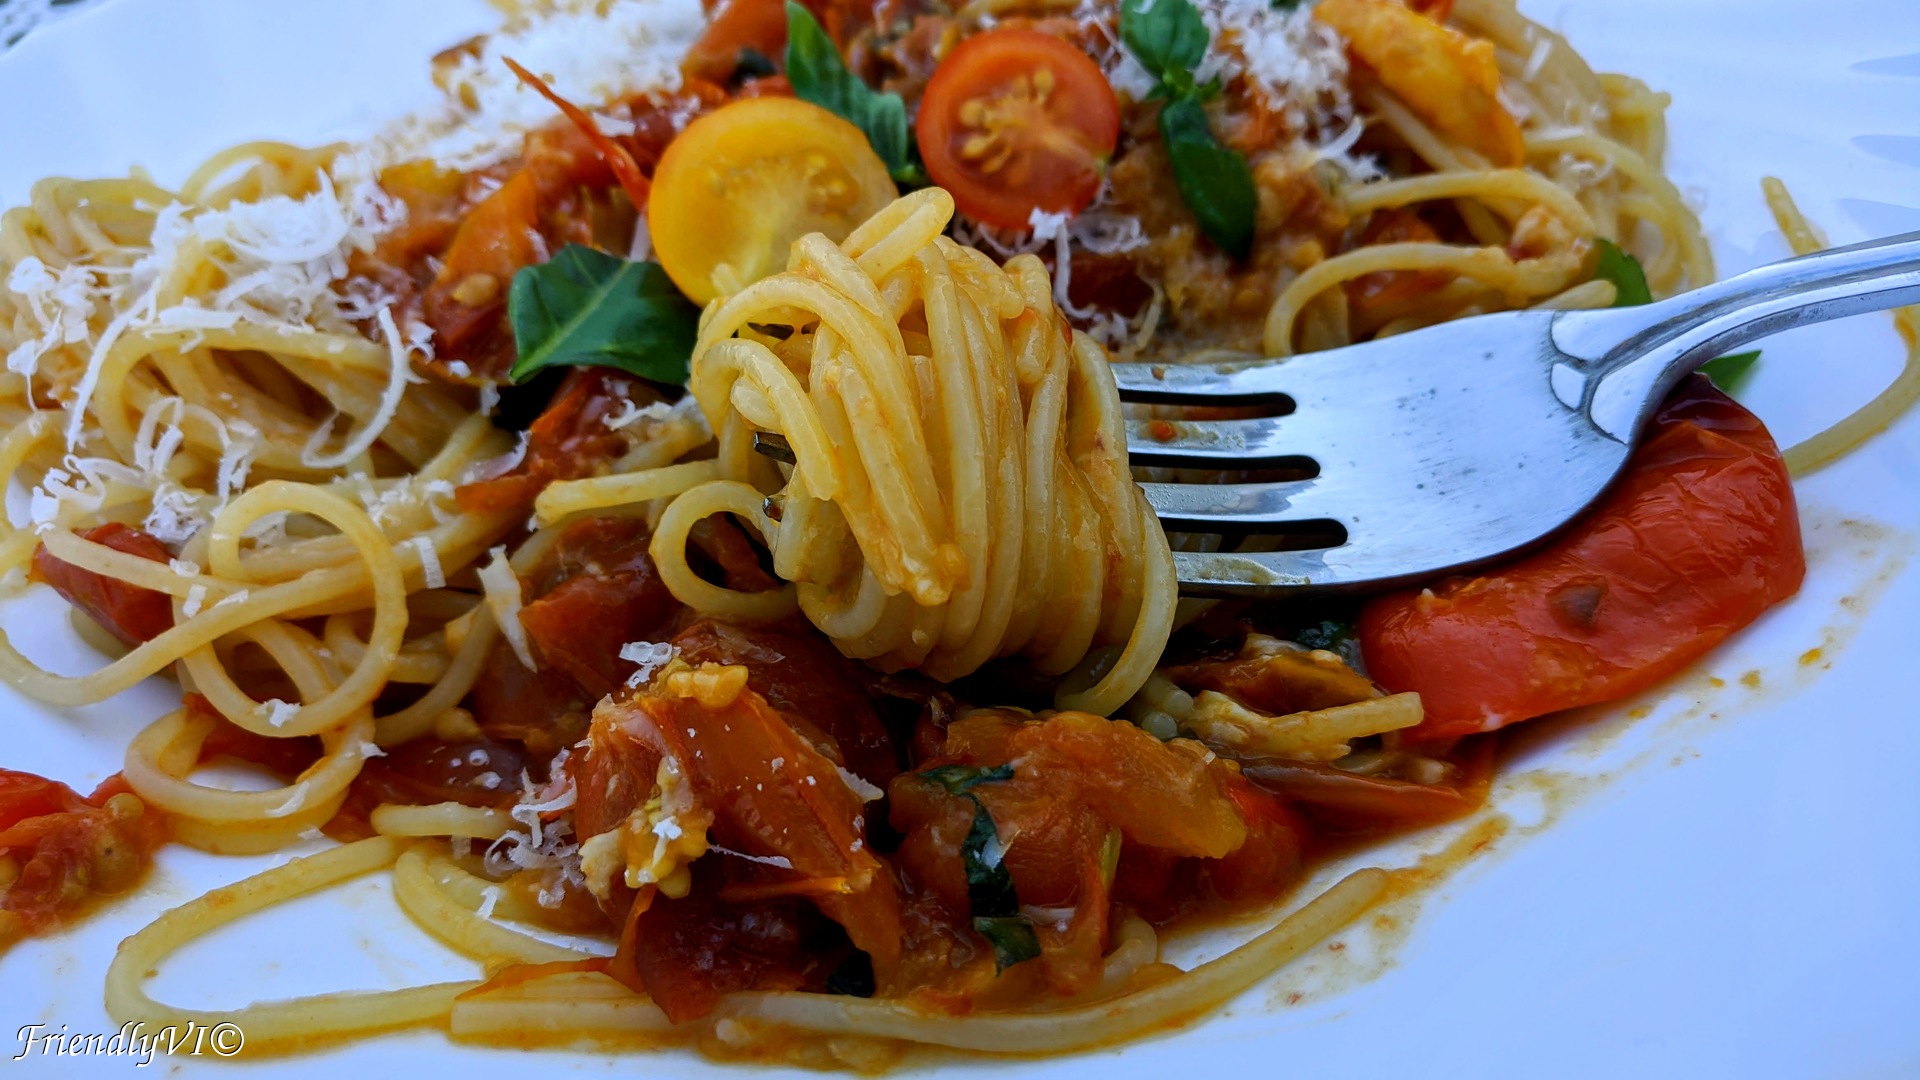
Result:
1631,358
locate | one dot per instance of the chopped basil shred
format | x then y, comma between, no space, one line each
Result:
751,63
1623,270
960,779
820,76
1729,372
1012,937
1170,40
585,307
990,892
1334,635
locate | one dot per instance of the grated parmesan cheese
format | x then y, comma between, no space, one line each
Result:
296,798
650,655
502,587
589,53
398,376
431,573
860,787
275,711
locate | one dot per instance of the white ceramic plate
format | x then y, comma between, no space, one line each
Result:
1713,880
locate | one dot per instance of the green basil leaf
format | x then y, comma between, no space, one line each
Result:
820,76
753,64
960,779
1334,635
989,887
1731,372
1012,937
1214,181
585,307
1629,280
1168,37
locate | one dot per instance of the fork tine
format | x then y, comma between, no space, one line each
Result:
1272,506
1243,382
1217,443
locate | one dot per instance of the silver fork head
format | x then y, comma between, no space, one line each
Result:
1438,451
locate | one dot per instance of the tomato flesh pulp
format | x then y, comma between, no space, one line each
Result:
58,851
1017,121
1697,538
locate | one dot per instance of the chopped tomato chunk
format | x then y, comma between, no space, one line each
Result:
1696,539
58,850
130,613
601,592
772,797
570,439
1069,807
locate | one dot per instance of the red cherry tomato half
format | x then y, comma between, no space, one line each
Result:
1697,538
1015,121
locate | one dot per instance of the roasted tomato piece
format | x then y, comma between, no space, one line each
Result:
130,613
1450,80
1017,121
602,591
1070,806
1271,677
474,772
58,851
1347,804
570,439
1695,540
819,691
692,951
756,787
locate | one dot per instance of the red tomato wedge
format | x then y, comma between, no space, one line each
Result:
1698,537
1015,121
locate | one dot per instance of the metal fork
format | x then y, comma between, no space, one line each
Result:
1453,447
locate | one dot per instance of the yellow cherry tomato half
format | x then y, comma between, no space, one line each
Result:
742,183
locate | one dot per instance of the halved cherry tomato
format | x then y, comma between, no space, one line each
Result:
1696,540
1015,121
742,183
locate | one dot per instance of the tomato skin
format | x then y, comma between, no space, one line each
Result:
1049,148
1698,537
130,613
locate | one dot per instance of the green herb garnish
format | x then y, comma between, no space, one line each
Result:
820,76
1729,372
1335,636
990,892
585,307
1623,270
1170,40
1012,937
960,779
